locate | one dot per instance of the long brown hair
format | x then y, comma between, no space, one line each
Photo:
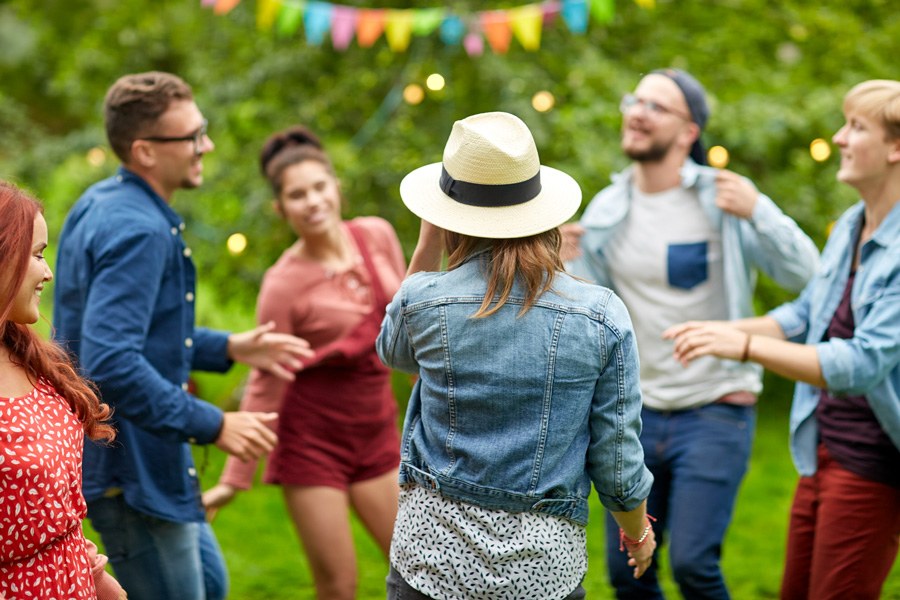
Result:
534,260
39,358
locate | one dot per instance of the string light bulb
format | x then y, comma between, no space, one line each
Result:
435,82
820,150
96,156
413,94
543,101
237,243
717,157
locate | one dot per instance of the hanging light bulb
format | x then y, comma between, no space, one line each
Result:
237,243
717,157
543,101
820,150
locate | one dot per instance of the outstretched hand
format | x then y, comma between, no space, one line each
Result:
694,339
247,435
263,348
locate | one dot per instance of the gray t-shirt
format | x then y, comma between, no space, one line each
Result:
665,262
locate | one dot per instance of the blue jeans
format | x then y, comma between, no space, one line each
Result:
698,458
155,559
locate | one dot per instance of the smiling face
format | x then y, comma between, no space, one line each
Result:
866,151
310,199
651,135
169,164
25,306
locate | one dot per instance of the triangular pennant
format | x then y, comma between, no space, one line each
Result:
550,10
398,29
603,11
526,24
452,30
266,12
369,26
647,4
495,24
289,18
317,21
223,7
343,26
207,3
474,44
575,14
426,20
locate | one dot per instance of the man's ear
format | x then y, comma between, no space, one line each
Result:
276,206
143,154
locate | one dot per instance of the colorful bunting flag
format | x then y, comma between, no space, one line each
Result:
525,22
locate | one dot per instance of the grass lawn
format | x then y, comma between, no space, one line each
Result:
265,560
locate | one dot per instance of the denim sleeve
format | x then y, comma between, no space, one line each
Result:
861,363
776,244
128,269
793,317
393,344
210,351
615,455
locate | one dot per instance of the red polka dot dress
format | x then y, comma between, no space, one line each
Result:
42,548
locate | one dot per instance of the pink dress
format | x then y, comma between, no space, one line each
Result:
42,548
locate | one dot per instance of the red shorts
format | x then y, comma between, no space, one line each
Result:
312,452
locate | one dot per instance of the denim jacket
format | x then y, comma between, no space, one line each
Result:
518,413
869,362
124,307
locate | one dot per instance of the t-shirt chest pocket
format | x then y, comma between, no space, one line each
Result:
687,265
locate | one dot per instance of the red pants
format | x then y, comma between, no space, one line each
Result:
843,535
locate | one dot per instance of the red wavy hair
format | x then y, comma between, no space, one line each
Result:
27,350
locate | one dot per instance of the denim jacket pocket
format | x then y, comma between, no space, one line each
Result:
687,265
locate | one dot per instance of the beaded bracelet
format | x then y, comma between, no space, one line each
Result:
625,540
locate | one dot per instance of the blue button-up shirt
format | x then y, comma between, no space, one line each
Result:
868,363
124,307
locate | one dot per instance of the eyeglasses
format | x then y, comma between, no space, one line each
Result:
196,137
656,109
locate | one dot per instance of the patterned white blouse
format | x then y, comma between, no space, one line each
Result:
448,550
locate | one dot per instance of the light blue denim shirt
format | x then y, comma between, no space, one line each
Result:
518,413
868,363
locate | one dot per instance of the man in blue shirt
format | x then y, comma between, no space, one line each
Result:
677,240
124,307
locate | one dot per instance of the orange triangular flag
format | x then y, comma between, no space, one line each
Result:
495,24
369,26
223,7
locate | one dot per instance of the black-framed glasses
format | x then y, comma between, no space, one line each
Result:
629,101
196,137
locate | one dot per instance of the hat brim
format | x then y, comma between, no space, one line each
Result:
559,199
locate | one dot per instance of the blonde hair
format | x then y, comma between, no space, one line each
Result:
880,99
534,260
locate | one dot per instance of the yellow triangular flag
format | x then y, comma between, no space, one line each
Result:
649,4
266,13
398,29
527,22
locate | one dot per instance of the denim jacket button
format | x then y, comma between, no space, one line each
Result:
174,231
188,342
187,252
184,386
189,296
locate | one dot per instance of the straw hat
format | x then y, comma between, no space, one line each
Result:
491,183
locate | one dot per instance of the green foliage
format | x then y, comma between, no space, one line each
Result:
776,73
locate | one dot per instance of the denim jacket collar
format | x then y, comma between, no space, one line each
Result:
123,175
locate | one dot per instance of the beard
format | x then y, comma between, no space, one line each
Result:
655,153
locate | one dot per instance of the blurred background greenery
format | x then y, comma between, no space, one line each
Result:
775,73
